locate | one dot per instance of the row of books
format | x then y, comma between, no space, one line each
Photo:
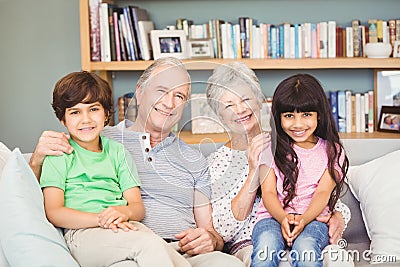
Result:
119,33
353,112
126,107
326,39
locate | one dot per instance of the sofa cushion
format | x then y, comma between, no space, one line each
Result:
4,155
375,184
27,238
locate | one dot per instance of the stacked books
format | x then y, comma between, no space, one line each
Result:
119,33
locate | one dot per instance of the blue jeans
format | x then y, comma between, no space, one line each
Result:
269,245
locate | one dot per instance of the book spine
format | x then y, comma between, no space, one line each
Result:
349,42
358,112
104,33
331,39
370,111
349,115
242,26
355,24
341,100
334,107
379,30
392,31
111,27
362,113
323,39
372,25
117,36
94,17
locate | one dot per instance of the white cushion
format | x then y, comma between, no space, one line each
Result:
376,185
27,238
4,155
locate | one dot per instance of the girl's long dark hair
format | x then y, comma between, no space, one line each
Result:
304,93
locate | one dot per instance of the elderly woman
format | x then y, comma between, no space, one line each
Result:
234,94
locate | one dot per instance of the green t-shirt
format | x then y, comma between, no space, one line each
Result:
92,181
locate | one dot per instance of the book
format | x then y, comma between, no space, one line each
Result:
357,112
203,118
323,39
334,106
349,111
372,29
355,24
145,27
370,111
349,42
94,20
331,39
341,111
104,33
139,14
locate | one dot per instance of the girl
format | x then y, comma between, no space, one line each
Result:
305,179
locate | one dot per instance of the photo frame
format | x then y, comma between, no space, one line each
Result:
396,49
167,43
387,89
200,48
389,119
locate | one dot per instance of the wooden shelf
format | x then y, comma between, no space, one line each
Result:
190,138
265,64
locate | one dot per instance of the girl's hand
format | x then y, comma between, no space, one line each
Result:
299,225
111,217
258,144
287,225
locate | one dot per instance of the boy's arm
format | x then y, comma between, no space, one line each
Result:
64,217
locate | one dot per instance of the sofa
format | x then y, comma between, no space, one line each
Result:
371,194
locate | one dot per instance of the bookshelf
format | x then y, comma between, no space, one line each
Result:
105,69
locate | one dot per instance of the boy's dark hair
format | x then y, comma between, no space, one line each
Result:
81,87
304,93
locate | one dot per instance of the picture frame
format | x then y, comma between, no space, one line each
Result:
387,89
200,48
166,43
396,49
389,119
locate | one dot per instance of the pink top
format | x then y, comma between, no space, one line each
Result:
312,164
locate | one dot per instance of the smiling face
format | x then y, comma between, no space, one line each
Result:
162,102
239,109
84,123
300,126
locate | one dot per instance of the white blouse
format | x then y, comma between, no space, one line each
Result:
229,169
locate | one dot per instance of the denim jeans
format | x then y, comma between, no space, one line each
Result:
269,245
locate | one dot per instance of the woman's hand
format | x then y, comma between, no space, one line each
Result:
335,224
258,144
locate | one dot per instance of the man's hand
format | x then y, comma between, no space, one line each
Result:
196,241
336,226
50,144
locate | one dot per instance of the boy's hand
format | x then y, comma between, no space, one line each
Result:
111,217
125,226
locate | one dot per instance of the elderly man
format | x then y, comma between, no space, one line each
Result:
175,179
